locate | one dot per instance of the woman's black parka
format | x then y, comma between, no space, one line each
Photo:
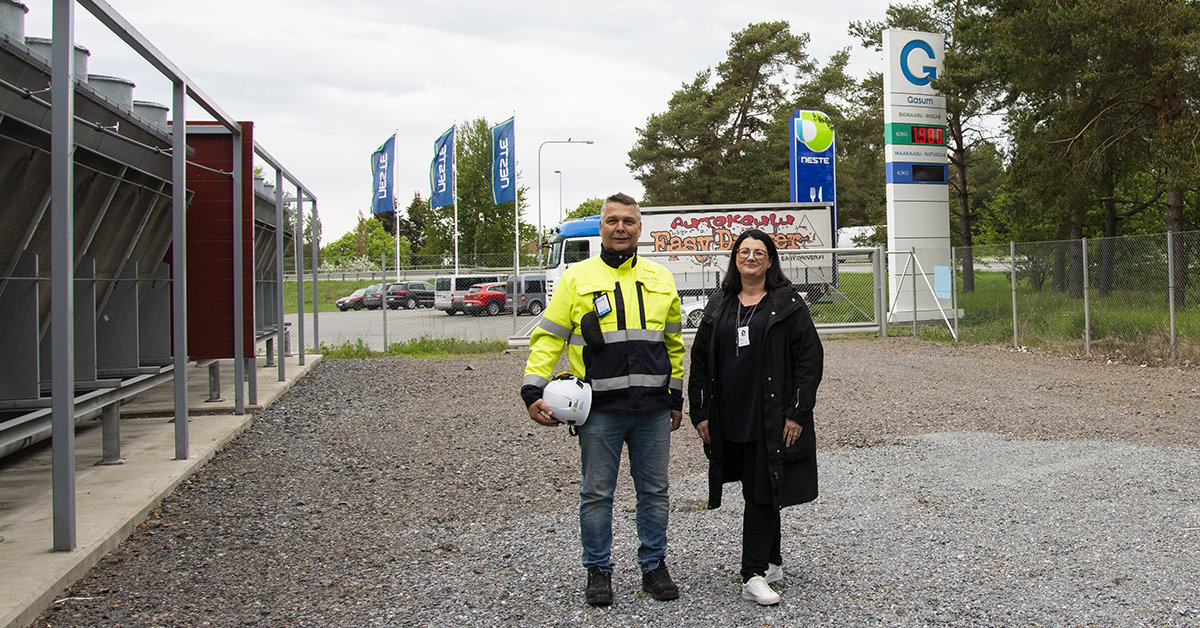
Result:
793,360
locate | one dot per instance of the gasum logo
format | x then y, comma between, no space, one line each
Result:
813,130
929,72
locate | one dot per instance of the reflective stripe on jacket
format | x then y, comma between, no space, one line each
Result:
640,365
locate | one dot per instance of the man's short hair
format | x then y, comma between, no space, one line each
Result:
622,198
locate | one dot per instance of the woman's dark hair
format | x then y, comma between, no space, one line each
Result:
732,284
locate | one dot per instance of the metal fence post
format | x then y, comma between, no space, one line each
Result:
298,246
954,287
880,291
1012,267
1171,285
1087,311
912,252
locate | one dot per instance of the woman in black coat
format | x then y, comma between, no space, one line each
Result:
756,366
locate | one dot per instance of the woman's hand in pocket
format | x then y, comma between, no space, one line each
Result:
791,432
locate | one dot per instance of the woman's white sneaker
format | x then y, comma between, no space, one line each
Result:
774,573
758,590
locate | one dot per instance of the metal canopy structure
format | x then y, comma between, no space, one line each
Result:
99,197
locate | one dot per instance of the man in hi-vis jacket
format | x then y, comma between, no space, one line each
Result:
618,316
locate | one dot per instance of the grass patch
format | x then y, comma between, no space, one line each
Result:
328,292
853,302
423,347
1134,323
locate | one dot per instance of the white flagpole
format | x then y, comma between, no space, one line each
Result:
454,169
395,214
517,283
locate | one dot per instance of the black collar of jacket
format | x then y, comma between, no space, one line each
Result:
783,300
615,259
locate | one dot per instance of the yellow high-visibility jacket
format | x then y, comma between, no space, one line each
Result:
640,366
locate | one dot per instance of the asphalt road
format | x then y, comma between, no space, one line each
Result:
336,328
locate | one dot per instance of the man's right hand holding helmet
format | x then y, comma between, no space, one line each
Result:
540,412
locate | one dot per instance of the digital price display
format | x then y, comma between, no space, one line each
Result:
928,135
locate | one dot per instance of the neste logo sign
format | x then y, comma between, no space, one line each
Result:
928,72
812,157
814,131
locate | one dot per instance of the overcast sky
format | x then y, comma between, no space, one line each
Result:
327,82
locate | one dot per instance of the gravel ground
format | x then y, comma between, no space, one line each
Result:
961,486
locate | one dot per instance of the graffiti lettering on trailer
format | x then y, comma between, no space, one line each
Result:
733,219
720,238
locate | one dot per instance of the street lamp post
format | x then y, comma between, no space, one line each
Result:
539,225
560,203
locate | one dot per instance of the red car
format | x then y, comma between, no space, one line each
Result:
352,302
484,298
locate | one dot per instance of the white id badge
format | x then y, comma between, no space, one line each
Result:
602,306
743,336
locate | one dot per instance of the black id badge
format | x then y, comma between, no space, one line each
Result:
601,304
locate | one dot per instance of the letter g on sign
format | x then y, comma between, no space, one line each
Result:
930,72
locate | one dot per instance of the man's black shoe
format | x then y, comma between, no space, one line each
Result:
599,587
657,582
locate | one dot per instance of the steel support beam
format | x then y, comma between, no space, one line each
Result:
279,272
239,303
316,244
252,380
62,271
297,240
108,199
179,265
111,435
134,39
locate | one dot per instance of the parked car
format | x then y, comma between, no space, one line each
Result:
692,312
410,295
373,299
353,301
484,298
449,290
531,293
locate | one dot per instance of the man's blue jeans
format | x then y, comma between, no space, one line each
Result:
648,435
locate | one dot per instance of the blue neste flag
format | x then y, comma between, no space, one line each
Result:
504,163
441,171
381,168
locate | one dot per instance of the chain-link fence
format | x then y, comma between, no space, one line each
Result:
384,266
842,288
1134,296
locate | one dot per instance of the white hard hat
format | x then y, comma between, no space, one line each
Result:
570,400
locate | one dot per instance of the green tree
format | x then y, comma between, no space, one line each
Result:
1112,84
484,227
720,139
590,207
367,239
987,176
411,223
309,226
969,96
861,185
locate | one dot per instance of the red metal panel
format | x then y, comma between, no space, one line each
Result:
210,246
